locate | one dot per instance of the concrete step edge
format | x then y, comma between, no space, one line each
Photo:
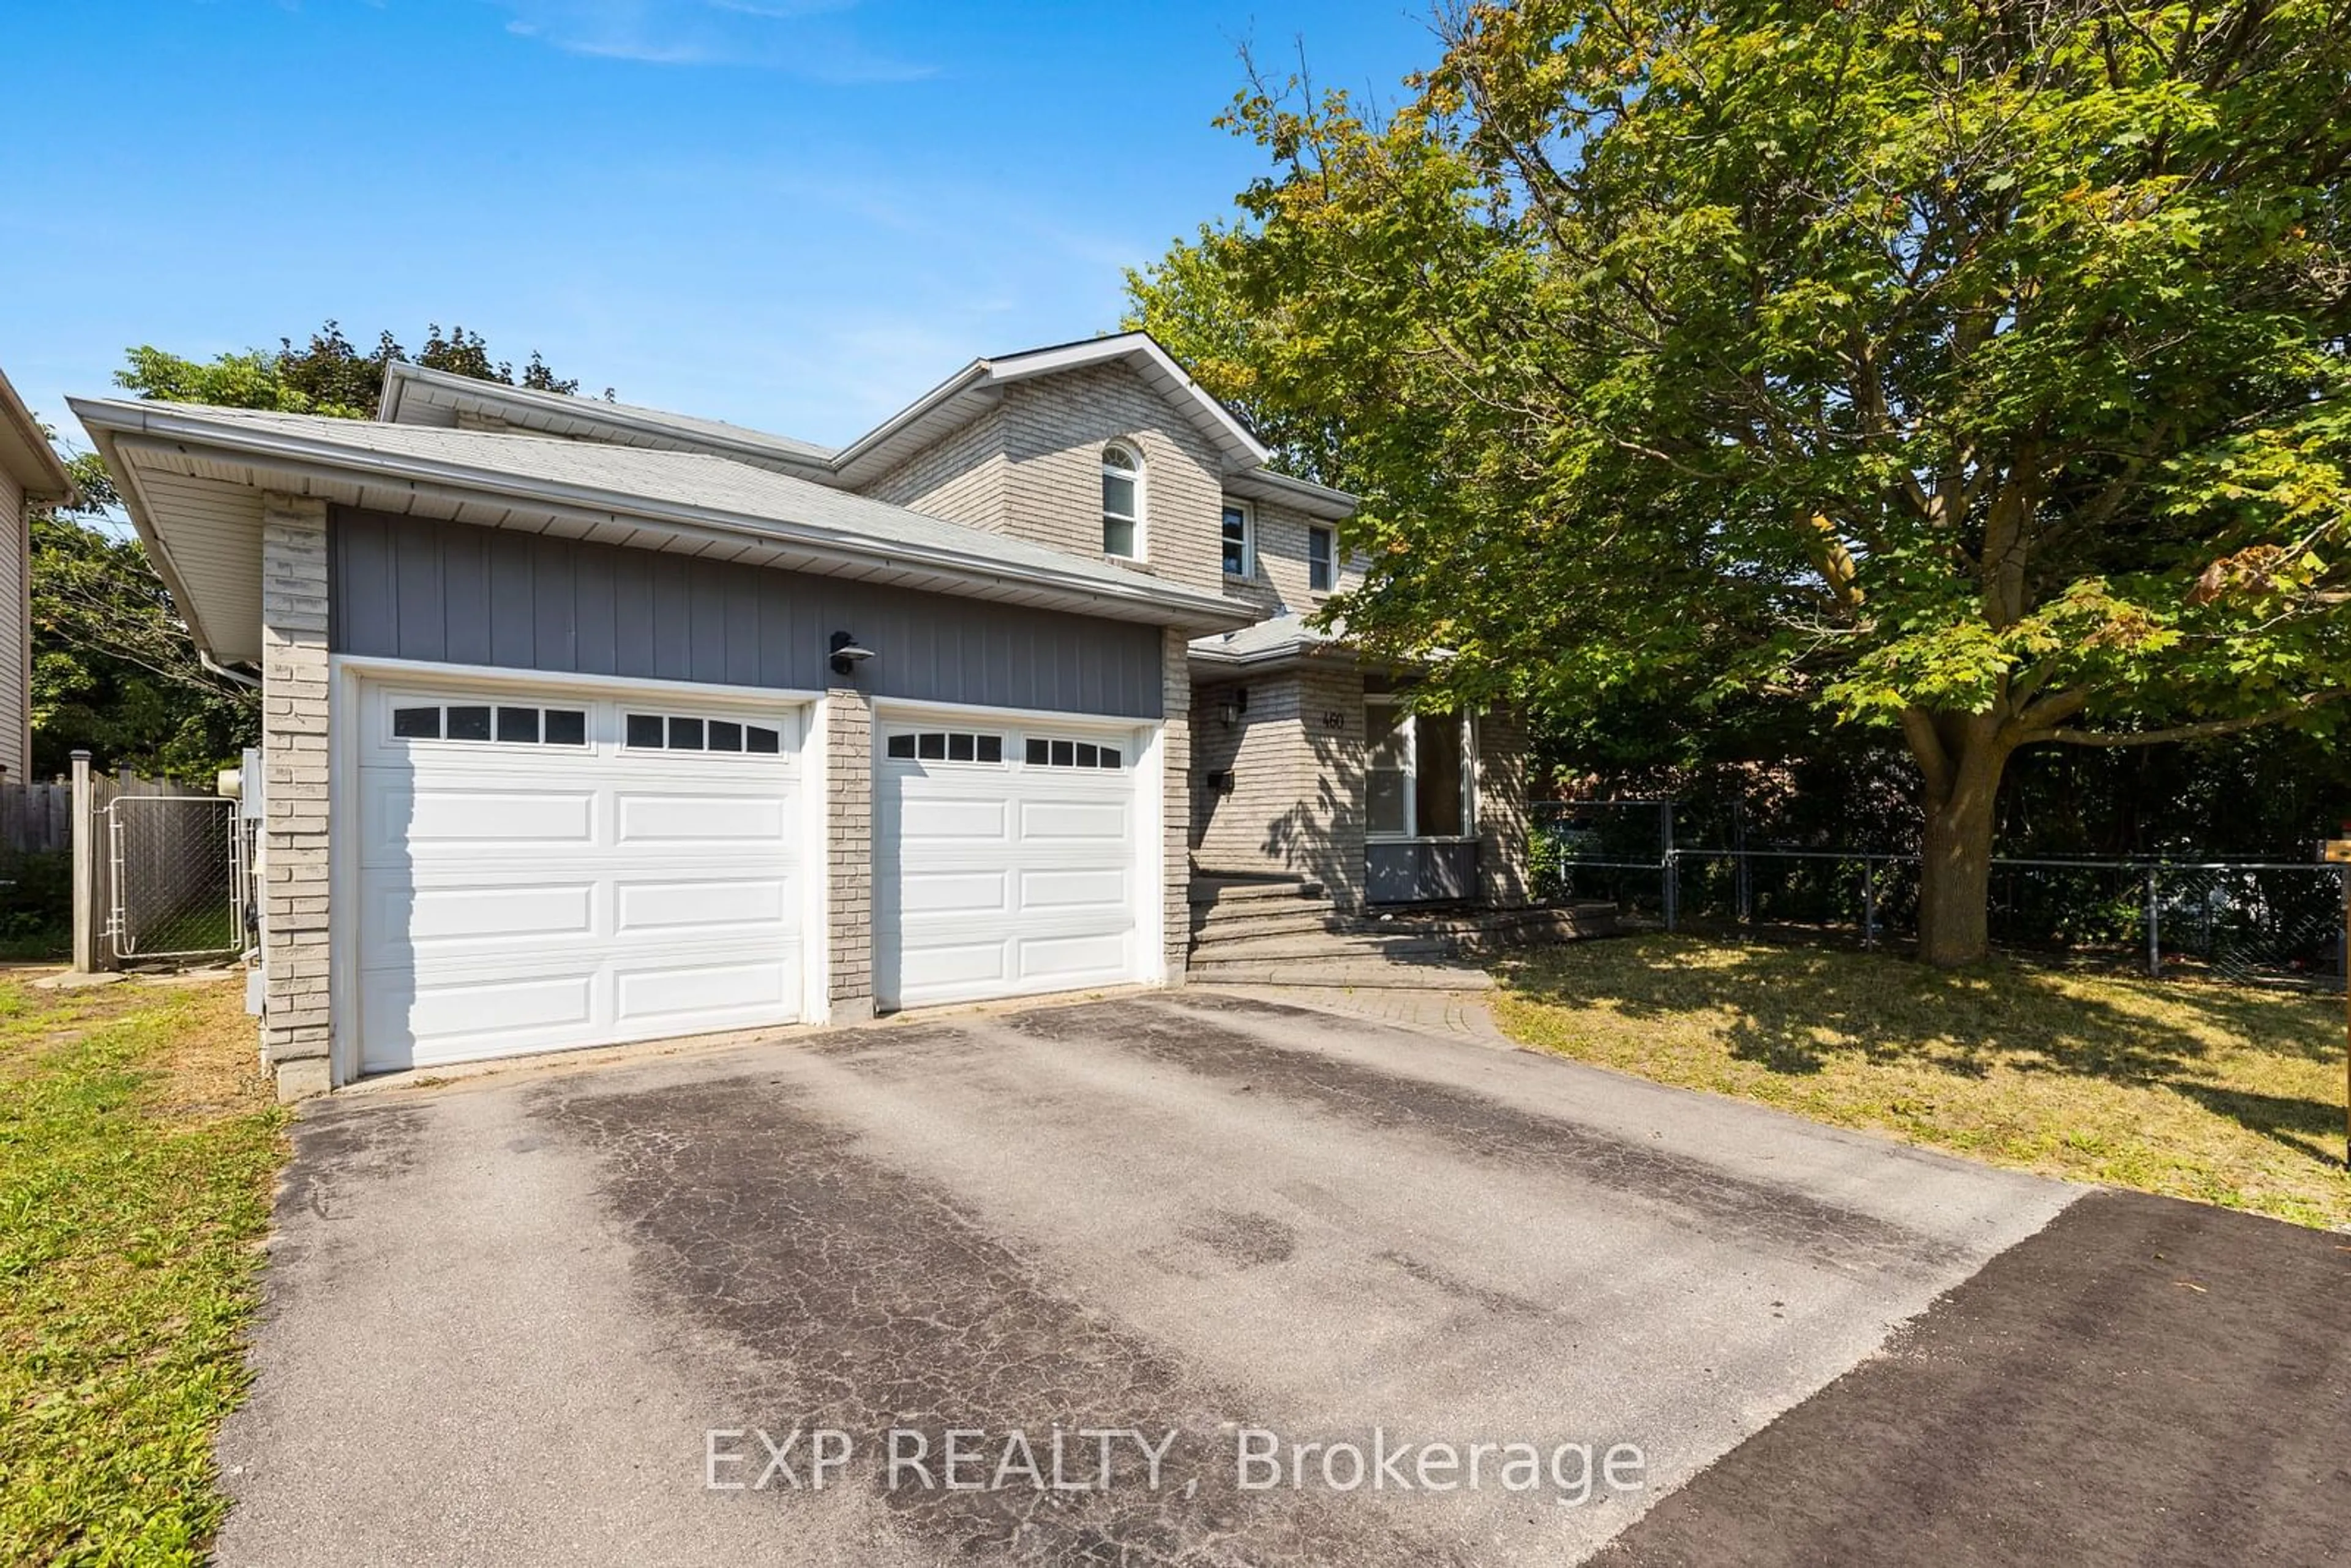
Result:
1347,977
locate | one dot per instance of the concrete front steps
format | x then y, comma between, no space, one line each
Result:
1282,931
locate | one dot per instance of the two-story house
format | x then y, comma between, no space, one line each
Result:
586,723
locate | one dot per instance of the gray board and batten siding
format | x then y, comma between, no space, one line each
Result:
445,592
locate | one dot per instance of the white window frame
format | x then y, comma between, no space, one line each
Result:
1409,729
1249,537
1330,562
1142,497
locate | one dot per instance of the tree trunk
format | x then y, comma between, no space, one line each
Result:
1955,873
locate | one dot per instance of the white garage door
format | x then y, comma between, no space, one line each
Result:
540,870
1008,860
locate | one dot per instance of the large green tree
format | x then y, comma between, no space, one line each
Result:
114,669
1974,369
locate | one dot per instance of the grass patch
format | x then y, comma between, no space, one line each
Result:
2222,1094
138,1144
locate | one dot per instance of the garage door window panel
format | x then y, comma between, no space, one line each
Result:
1044,751
945,745
699,733
487,723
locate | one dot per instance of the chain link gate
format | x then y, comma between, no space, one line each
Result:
180,877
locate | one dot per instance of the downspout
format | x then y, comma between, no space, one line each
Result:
217,668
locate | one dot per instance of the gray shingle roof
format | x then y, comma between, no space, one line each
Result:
443,387
752,496
1283,634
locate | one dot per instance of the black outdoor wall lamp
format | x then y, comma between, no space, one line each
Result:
846,655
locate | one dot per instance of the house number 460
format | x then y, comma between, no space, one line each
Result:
1333,719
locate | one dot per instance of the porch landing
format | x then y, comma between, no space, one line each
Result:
1283,931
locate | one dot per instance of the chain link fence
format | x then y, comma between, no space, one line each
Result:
2251,921
177,868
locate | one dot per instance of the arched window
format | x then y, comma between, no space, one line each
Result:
1122,477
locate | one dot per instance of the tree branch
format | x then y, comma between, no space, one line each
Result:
2198,731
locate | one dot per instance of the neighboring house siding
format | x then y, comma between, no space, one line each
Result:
16,631
1296,755
410,588
960,477
1054,430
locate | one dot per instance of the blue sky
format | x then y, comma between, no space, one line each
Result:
792,214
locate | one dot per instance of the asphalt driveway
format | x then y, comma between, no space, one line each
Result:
570,1316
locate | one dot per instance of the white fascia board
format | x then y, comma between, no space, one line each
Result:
37,469
1300,495
396,393
335,465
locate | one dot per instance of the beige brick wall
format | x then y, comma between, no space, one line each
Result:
295,1022
1331,793
1176,806
849,851
1278,577
960,477
1502,809
1297,759
1054,430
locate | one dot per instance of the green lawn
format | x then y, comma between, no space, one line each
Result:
138,1145
2222,1094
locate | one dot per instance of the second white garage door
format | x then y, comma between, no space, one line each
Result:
1007,859
540,868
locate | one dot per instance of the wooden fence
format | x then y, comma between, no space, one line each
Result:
35,816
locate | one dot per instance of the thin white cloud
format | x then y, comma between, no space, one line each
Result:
804,38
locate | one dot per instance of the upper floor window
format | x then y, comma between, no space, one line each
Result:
1322,559
1236,540
1122,475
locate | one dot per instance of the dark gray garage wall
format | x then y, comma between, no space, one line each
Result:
412,588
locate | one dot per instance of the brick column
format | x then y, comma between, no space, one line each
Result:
1176,826
1502,810
294,1020
849,851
